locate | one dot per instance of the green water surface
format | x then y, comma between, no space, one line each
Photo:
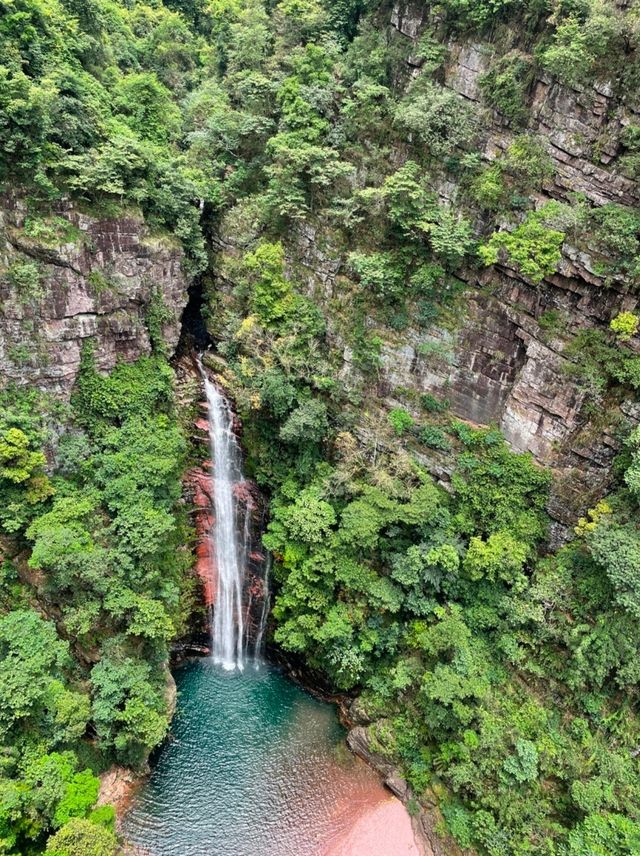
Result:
254,767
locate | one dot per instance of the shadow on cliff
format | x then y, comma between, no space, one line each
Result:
194,336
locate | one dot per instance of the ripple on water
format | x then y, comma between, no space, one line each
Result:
255,767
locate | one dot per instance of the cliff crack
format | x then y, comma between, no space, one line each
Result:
42,255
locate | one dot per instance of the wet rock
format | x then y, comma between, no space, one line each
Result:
198,492
397,785
171,693
117,787
359,741
358,714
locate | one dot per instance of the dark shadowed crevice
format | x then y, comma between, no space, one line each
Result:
194,335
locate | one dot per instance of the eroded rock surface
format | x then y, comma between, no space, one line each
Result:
505,359
89,277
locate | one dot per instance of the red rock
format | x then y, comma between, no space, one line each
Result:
244,493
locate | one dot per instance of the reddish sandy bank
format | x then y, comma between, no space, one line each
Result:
369,821
384,830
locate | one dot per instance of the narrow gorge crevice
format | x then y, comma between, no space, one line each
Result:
194,335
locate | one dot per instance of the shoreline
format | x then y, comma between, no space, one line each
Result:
425,821
382,822
383,829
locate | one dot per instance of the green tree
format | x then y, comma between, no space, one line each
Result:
57,791
435,117
271,291
535,248
24,484
82,838
147,107
500,557
129,708
32,657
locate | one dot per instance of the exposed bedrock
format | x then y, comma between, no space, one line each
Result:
84,277
499,362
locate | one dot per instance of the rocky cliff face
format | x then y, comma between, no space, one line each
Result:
497,362
501,367
74,276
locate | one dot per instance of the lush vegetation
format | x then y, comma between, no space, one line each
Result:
503,681
92,590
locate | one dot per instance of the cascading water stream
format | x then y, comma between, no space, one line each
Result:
264,614
230,551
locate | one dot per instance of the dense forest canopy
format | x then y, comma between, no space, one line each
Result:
501,676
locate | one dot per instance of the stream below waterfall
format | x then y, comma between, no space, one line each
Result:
257,767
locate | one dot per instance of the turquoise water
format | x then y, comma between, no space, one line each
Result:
254,767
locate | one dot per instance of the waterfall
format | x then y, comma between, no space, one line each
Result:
264,614
232,623
227,635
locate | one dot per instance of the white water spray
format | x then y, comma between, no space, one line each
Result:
227,635
264,614
240,608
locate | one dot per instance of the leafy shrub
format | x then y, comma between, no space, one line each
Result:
432,405
580,46
505,84
435,117
130,389
552,322
400,421
470,14
271,292
625,326
26,278
451,237
129,708
630,160
489,188
99,283
382,273
367,351
51,231
435,438
598,364
616,231
528,163
532,246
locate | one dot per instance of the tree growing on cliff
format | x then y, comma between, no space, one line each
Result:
532,246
